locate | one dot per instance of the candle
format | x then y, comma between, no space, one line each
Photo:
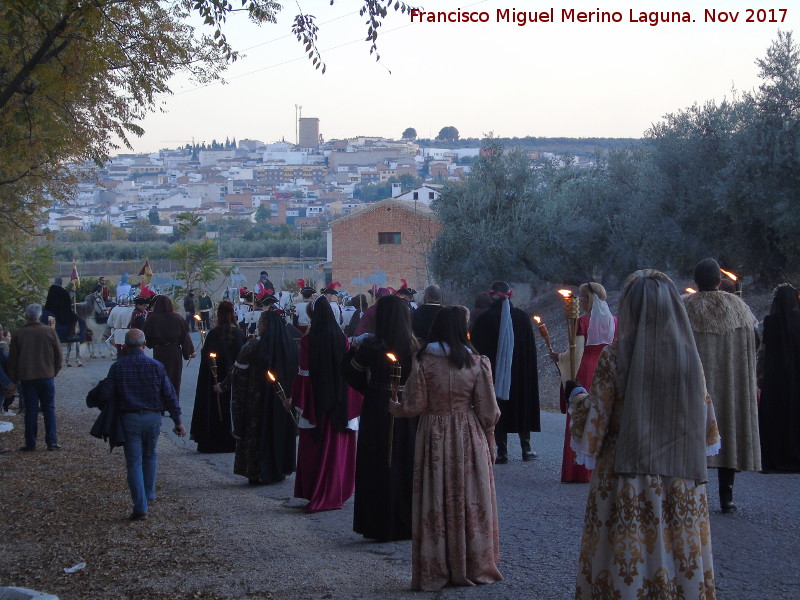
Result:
571,314
395,373
212,359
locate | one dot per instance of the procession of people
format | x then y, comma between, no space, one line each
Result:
408,410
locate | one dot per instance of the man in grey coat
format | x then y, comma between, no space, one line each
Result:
34,359
724,329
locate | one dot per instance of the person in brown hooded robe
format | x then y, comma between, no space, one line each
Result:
167,334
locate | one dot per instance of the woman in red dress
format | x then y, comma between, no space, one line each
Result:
596,329
326,453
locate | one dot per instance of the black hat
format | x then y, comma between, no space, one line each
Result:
331,288
405,290
266,299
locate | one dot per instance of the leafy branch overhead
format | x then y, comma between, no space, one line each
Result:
305,28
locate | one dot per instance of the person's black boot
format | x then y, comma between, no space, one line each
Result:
525,443
502,449
726,477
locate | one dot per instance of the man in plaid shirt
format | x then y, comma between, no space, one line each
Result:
143,392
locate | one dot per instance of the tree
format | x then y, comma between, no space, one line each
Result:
731,173
25,271
142,230
409,133
187,224
447,134
196,262
263,213
152,216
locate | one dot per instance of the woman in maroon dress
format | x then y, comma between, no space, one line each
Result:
596,329
326,453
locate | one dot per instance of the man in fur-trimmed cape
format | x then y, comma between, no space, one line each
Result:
723,327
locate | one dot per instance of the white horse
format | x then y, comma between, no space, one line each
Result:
93,304
119,320
285,301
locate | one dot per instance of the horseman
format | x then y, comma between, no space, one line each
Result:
101,289
123,291
263,286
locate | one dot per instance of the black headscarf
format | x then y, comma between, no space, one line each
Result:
784,326
276,351
326,349
779,412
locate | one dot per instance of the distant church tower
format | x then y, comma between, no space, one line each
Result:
309,132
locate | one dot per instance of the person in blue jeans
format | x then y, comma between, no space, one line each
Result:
34,359
142,391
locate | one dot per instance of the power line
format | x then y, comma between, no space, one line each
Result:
286,62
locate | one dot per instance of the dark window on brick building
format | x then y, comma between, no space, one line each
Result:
390,237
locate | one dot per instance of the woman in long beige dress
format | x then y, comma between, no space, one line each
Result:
646,428
455,535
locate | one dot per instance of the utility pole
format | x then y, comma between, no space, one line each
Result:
302,255
298,114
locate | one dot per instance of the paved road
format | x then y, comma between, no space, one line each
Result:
755,550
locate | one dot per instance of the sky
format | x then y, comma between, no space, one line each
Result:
545,79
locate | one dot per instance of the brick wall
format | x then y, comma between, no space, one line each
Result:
356,252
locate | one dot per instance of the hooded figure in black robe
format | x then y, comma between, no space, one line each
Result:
384,487
211,417
264,430
779,380
519,405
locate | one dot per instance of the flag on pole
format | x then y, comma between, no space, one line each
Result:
74,275
146,271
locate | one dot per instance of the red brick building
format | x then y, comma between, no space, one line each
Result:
383,242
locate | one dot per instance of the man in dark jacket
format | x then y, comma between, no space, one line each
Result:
34,359
142,391
504,334
190,308
423,315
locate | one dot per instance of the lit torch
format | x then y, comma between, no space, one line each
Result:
543,332
395,372
571,314
284,400
202,335
212,359
691,290
737,285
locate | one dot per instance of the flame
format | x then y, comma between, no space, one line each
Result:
391,357
212,355
537,319
691,291
730,275
271,376
565,293
197,317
